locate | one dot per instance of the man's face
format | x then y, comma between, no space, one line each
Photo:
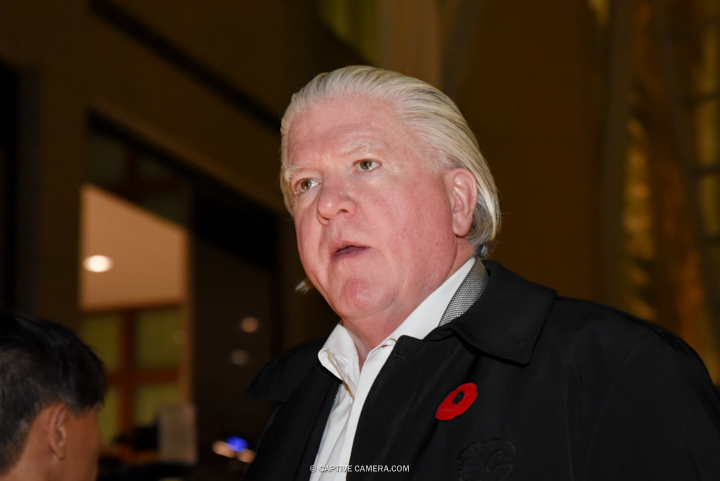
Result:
374,224
84,442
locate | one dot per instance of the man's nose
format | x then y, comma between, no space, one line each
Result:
334,200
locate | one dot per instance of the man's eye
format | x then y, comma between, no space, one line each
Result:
366,165
305,185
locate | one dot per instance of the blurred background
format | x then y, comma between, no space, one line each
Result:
139,198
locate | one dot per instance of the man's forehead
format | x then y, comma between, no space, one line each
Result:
344,116
360,144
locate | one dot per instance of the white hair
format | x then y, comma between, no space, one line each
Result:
428,112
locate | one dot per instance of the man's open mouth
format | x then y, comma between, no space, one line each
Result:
347,250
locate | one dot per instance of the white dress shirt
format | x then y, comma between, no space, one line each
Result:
339,356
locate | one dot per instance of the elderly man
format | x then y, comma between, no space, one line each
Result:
51,387
445,366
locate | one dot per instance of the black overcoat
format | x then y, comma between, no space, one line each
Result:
566,390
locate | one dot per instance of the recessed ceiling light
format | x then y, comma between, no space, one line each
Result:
250,324
239,357
98,263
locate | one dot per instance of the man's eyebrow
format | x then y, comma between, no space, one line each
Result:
289,170
360,145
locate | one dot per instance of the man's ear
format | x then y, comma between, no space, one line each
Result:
58,417
462,188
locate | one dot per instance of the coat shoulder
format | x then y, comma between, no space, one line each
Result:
606,341
585,322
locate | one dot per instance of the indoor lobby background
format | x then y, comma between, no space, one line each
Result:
139,198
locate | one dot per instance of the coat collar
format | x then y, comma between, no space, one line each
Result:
281,376
506,320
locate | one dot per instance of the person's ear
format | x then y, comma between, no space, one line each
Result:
462,188
57,430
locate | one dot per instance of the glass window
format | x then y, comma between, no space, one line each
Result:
108,416
708,190
706,122
149,399
105,159
102,333
158,338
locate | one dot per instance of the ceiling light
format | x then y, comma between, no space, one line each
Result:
249,324
239,357
98,263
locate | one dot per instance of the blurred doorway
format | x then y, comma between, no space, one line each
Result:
133,296
198,310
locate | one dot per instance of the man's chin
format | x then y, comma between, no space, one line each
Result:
362,305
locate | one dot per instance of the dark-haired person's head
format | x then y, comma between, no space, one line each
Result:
51,387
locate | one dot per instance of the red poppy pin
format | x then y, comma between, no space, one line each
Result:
457,402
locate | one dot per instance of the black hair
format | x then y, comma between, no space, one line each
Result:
41,363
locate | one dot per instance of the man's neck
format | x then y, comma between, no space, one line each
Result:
25,472
37,460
